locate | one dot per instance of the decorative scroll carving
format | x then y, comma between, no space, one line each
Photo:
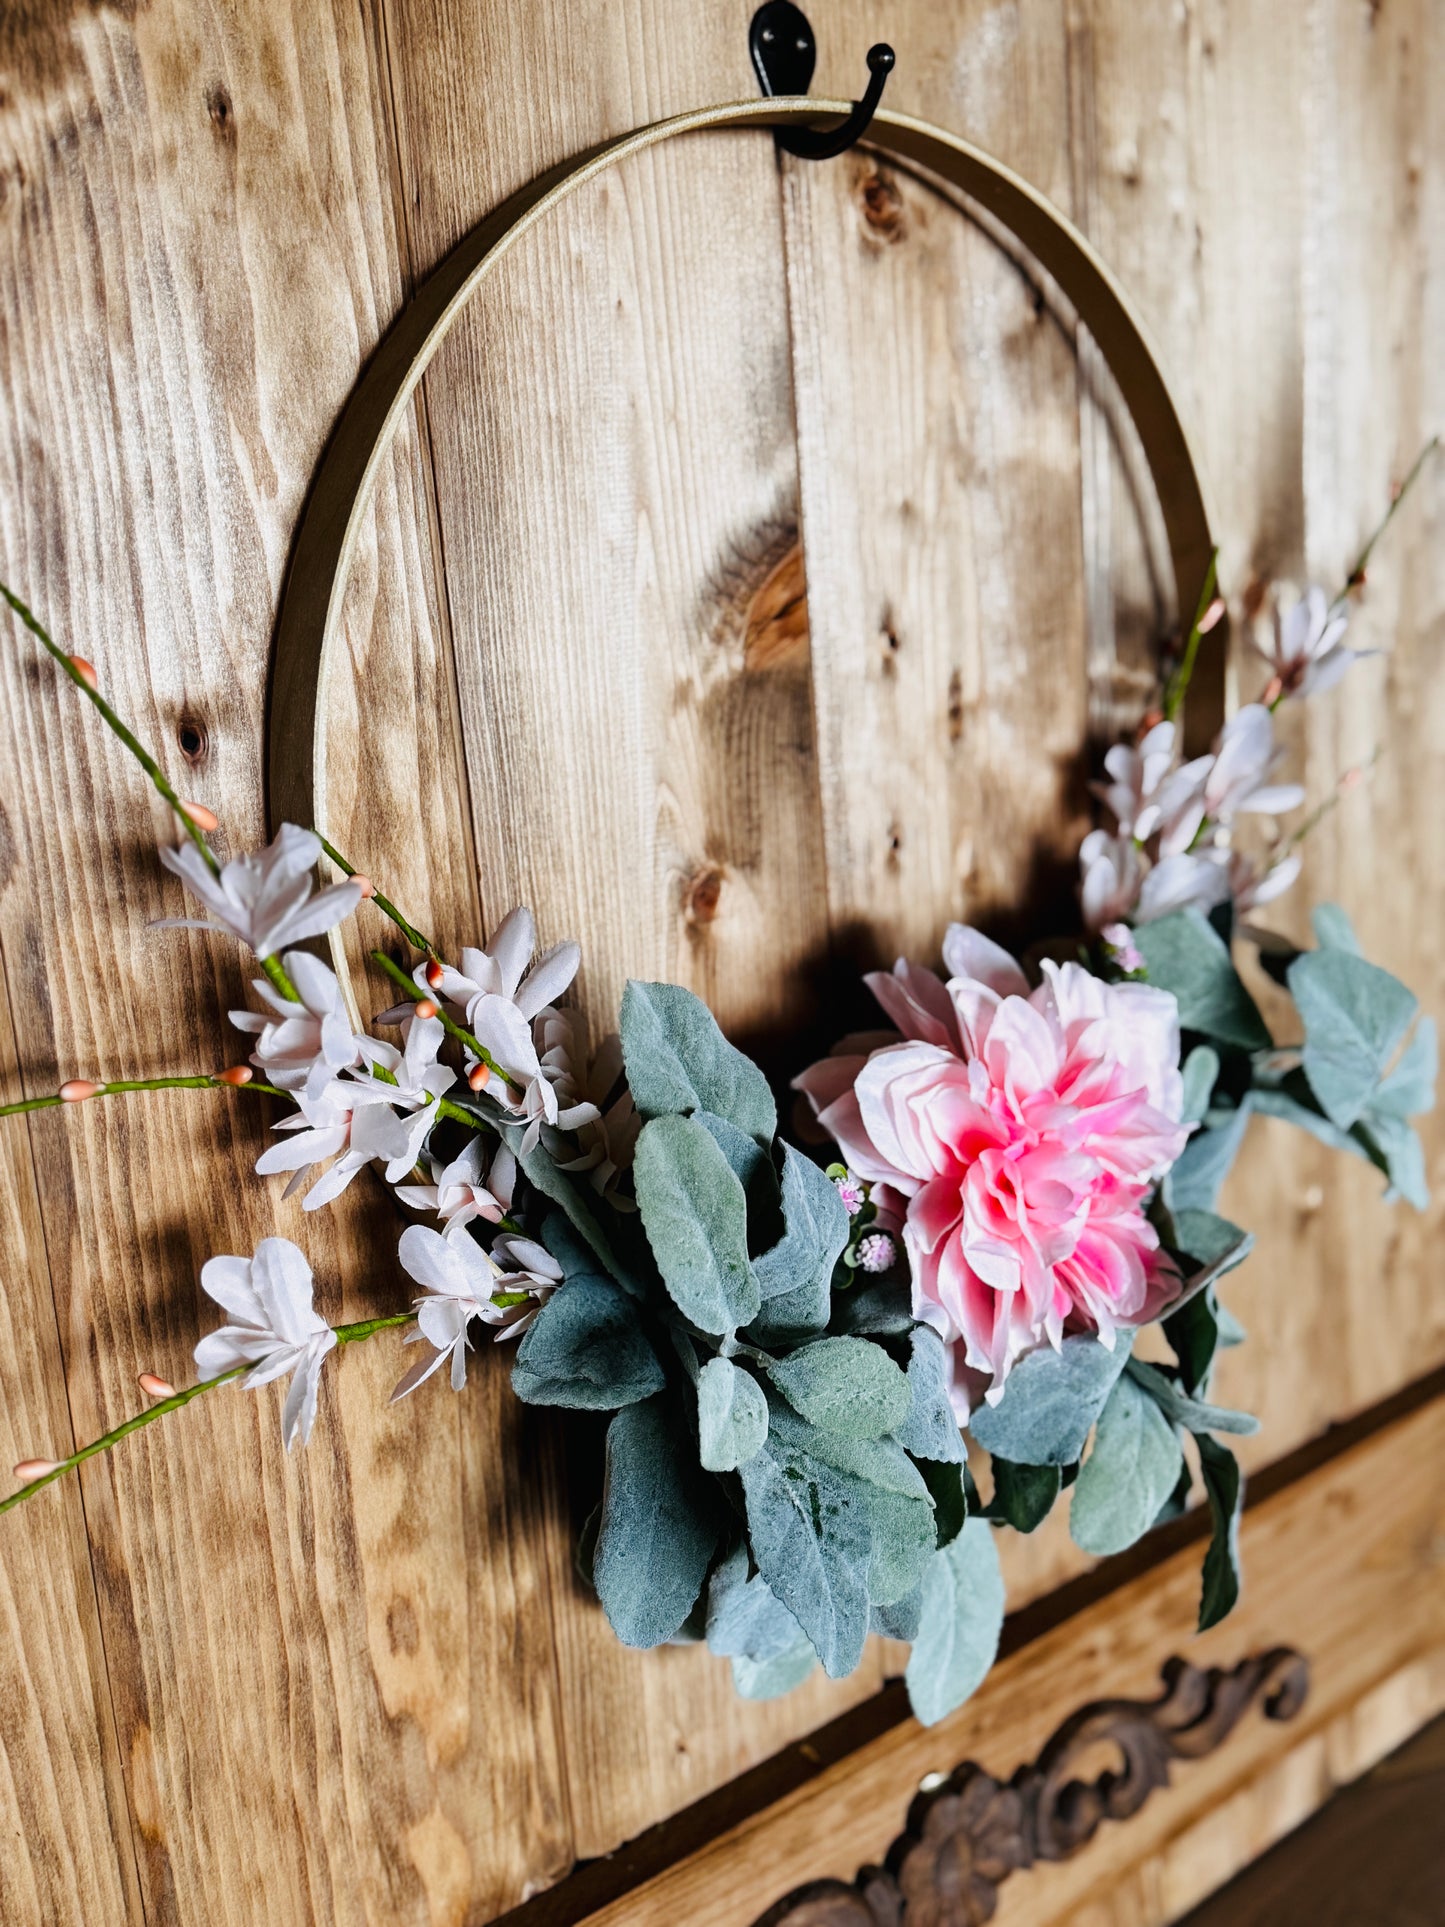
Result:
967,1834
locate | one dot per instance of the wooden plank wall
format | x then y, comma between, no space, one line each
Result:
363,1684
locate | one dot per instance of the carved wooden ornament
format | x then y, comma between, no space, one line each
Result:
966,1835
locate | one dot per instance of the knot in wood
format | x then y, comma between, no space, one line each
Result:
702,892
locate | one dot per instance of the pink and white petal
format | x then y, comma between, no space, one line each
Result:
968,953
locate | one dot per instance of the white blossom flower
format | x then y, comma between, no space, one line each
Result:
1306,649
264,899
301,1046
1113,869
466,1189
1253,882
459,1280
604,1120
1135,775
319,1130
276,1329
526,1267
1197,878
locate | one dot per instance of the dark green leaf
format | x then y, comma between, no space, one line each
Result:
795,1278
695,1215
1185,955
732,1415
962,1617
1355,1016
585,1350
1051,1401
1224,1485
949,1492
1193,1331
846,1386
661,1521
1024,1495
882,1310
1128,1477
678,1061
753,1169
930,1430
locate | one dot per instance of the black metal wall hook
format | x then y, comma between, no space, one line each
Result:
785,53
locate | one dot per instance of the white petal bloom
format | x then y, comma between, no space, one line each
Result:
1253,883
466,1189
1245,757
526,1267
275,1328
1135,775
1112,870
1306,647
606,1140
458,1279
1197,878
301,1046
269,899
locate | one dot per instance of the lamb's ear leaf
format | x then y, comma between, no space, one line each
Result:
745,1618
846,1386
586,1350
795,1277
662,1517
930,1430
1333,929
769,1679
1193,1181
1409,1090
1355,1016
873,1311
732,1415
1224,1485
1192,1413
959,1626
576,1201
1183,953
1051,1401
1200,1074
1129,1476
695,1214
812,1540
902,1619
948,1487
1024,1495
678,1060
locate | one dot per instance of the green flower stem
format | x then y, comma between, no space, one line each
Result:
444,1109
274,970
121,1431
122,1085
137,749
1178,685
345,1335
386,907
399,977
1357,574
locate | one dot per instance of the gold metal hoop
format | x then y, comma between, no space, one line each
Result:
332,519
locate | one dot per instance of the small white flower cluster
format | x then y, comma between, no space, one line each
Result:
360,1101
1173,845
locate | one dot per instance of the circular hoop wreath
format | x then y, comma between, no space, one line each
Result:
791,1353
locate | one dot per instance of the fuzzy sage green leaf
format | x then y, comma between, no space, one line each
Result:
660,1523
1127,1479
1355,1016
847,1386
959,1624
732,1415
1183,953
585,1350
1051,1401
695,1214
795,1277
678,1060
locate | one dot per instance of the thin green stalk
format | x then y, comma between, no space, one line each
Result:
444,1107
1178,685
345,1335
1357,574
271,965
124,1084
137,749
386,907
403,982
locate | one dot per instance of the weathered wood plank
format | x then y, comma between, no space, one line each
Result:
199,248
1364,1619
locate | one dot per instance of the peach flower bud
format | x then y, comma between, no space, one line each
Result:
154,1387
239,1074
86,671
203,818
29,1470
363,883
435,974
479,1076
426,1008
1351,780
78,1089
1211,615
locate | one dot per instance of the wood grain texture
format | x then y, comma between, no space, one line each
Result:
1366,1619
200,246
607,653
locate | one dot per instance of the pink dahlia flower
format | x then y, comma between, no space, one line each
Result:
1017,1136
